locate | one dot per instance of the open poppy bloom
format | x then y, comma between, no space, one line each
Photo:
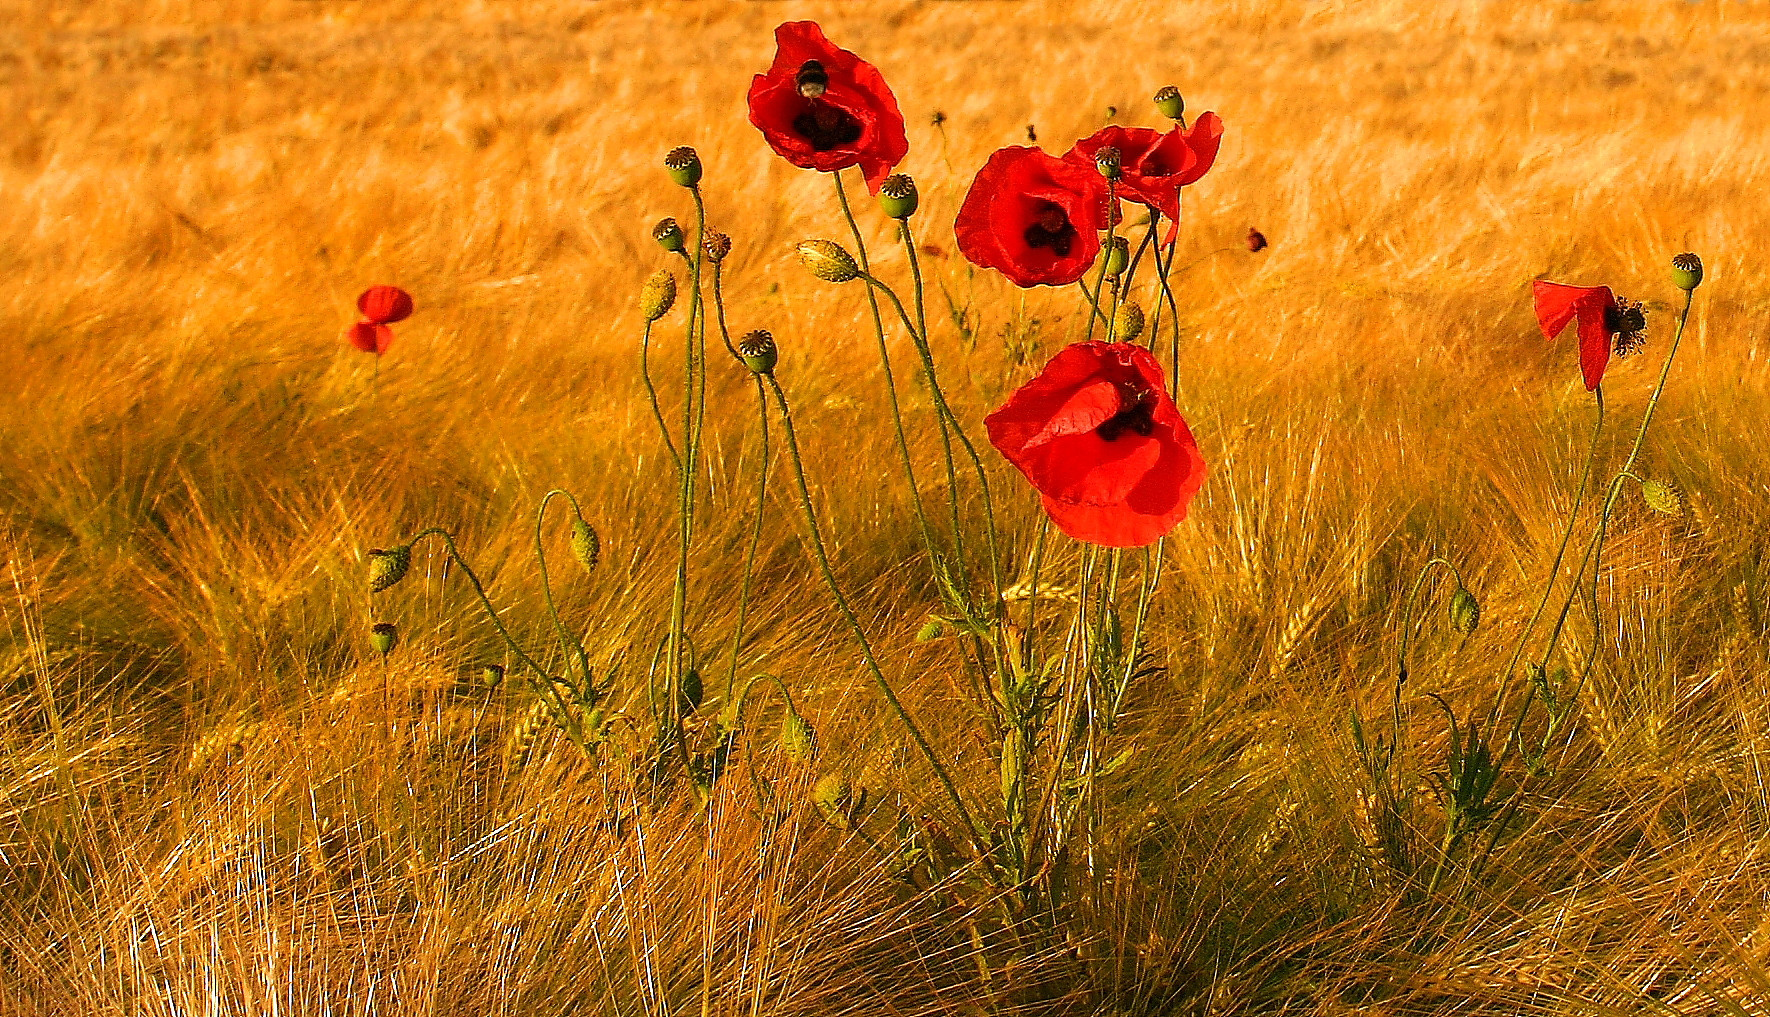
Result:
1033,217
1154,165
1600,314
1097,434
823,108
381,306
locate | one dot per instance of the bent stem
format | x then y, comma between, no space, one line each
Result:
866,649
568,640
651,393
1112,206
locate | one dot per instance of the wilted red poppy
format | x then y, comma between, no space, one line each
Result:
1033,217
384,305
823,108
1097,434
1154,165
1600,316
381,306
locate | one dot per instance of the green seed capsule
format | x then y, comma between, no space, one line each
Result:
669,235
1169,103
1687,271
384,636
759,352
683,165
898,197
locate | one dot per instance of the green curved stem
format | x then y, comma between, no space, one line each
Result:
651,393
860,635
568,640
946,441
1112,206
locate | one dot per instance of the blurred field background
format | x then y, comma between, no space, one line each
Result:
214,799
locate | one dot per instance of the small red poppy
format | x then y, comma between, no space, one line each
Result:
1033,217
381,306
384,305
1600,316
822,108
1097,434
1154,165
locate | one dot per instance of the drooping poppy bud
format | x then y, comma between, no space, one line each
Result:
384,636
798,742
1663,496
1127,324
1687,271
898,197
586,546
827,260
683,165
669,235
759,352
1465,611
491,675
1169,103
387,566
658,296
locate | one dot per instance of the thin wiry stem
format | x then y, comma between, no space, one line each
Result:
569,640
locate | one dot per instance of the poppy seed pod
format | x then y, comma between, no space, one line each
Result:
1687,271
1663,496
1127,324
1107,161
717,245
1465,611
384,636
387,566
586,546
759,351
798,742
898,197
827,260
669,235
1117,257
683,165
1169,103
658,295
491,675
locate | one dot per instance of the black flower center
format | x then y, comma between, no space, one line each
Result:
1051,229
826,127
1136,413
1627,323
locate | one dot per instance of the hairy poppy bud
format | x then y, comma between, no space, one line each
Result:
898,197
1106,160
1169,104
1117,257
1465,611
683,165
1663,496
838,801
586,546
798,741
387,566
1256,240
718,245
491,675
669,235
1127,324
759,352
658,296
1687,271
812,80
828,261
384,637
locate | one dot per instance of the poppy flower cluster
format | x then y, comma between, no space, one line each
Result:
381,306
1601,316
1098,436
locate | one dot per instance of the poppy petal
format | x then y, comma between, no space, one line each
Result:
384,305
1204,138
1594,346
370,337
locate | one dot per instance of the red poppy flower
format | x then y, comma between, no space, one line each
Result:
1600,316
384,305
823,108
1033,217
1097,434
381,306
1155,165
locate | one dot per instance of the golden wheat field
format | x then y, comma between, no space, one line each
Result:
217,797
